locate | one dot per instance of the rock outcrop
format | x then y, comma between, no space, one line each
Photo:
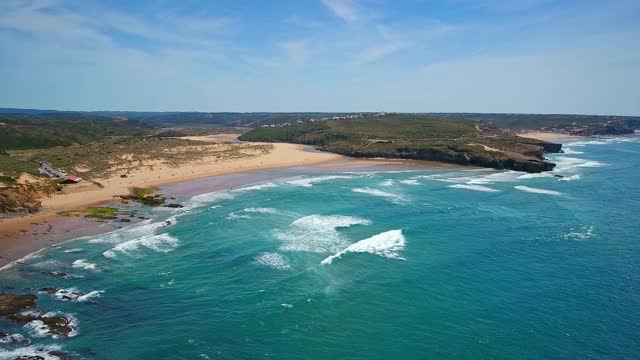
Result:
23,309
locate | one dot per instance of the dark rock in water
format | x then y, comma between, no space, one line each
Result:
124,220
13,304
14,339
22,309
559,176
48,290
175,206
143,218
30,357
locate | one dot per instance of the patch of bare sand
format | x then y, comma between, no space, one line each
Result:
546,136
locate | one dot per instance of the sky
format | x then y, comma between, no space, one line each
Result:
510,56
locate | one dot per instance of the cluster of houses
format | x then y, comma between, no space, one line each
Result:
46,169
312,120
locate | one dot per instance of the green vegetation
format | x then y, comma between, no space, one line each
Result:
101,213
18,131
144,196
7,179
413,136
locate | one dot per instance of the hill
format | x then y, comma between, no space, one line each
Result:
418,137
24,131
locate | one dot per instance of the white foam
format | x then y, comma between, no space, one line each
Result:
503,176
309,182
394,198
570,151
538,191
317,233
33,351
84,264
257,187
15,339
566,164
288,306
128,233
261,210
158,243
535,176
570,178
586,232
273,260
235,216
33,255
74,250
410,182
387,244
388,182
588,142
473,187
74,295
207,198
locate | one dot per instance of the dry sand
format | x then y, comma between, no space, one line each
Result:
547,136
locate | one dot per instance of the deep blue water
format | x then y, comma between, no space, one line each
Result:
435,264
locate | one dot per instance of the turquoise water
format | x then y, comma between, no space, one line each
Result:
437,264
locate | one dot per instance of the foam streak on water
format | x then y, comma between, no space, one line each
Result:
387,244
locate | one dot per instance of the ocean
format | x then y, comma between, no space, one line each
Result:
425,264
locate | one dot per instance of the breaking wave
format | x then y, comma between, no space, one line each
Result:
538,191
410,182
394,198
317,233
387,244
309,182
570,151
571,178
534,176
126,234
473,187
257,187
158,243
84,264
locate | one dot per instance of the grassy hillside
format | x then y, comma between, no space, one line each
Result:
421,137
21,131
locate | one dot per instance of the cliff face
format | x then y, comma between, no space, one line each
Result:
22,198
461,158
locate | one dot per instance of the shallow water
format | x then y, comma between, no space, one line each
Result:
439,264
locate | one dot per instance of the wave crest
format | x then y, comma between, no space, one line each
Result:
387,244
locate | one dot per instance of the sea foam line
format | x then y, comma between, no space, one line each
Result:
309,182
537,190
473,187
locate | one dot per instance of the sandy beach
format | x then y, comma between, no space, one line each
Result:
547,136
25,234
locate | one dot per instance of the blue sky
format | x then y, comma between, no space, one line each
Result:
533,56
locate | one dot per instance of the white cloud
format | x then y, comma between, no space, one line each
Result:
344,9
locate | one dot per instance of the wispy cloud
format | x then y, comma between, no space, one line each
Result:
344,9
379,51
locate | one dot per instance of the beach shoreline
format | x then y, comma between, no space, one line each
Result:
23,235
